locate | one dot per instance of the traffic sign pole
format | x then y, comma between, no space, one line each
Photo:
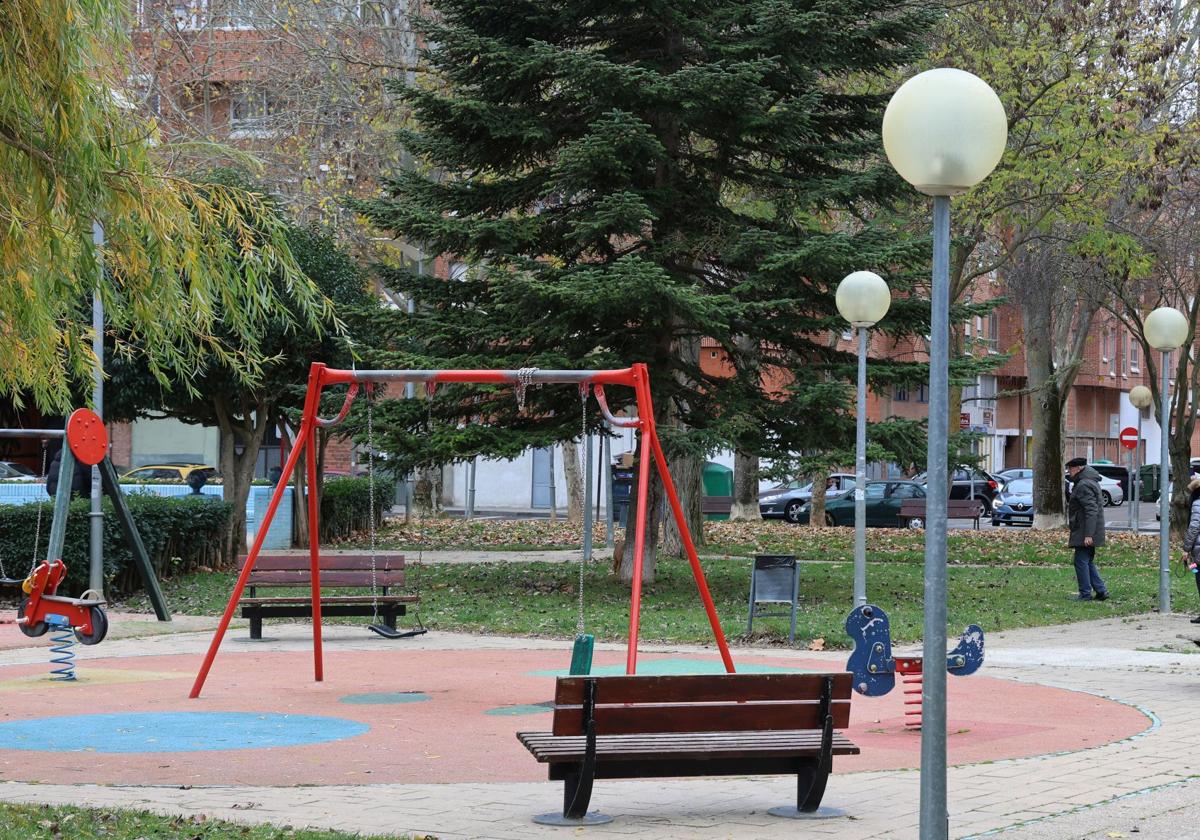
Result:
1129,439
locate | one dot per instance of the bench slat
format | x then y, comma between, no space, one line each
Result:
549,748
327,579
954,507
334,599
700,717
328,562
703,688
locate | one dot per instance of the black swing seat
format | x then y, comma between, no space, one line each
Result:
341,571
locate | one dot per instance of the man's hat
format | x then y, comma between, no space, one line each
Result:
1077,462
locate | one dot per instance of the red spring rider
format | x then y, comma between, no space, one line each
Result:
43,608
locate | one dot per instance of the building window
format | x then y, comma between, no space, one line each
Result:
250,110
848,335
901,393
922,393
1112,359
1135,356
993,332
1104,351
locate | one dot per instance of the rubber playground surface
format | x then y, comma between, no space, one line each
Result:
401,712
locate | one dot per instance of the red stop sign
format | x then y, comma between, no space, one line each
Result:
1129,437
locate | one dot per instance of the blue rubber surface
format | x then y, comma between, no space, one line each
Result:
173,732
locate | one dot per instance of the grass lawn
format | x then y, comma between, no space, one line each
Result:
998,579
35,822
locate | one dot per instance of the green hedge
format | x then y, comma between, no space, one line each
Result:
181,534
345,506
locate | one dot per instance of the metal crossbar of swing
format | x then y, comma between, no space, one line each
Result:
321,377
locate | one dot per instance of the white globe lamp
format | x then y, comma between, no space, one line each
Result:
863,298
944,131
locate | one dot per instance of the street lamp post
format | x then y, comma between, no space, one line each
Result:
1165,329
1141,399
944,131
863,298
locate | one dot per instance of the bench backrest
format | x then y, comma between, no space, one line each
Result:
702,703
336,570
954,507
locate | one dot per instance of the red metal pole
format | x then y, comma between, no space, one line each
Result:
311,401
314,547
645,410
651,433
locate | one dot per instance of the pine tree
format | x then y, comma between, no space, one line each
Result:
624,178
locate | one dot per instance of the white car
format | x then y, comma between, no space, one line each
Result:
1110,489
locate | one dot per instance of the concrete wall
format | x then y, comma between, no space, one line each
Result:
164,439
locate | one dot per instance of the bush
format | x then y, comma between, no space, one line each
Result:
181,534
346,506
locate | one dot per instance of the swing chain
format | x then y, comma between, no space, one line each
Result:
583,442
524,380
371,502
37,532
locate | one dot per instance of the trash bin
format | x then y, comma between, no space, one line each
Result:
1148,475
717,481
622,489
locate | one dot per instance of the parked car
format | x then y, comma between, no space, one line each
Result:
784,502
1110,489
168,472
1014,503
1011,473
12,471
883,500
985,485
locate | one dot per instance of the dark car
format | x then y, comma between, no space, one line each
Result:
1014,504
785,502
971,483
883,500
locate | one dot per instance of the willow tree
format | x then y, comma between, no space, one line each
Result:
178,257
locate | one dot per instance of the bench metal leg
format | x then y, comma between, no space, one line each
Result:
577,793
256,627
811,778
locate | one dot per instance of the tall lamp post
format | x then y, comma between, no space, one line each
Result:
1141,399
863,298
1165,329
944,131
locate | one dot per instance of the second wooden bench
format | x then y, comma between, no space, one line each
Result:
352,571
912,511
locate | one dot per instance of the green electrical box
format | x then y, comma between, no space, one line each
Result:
718,490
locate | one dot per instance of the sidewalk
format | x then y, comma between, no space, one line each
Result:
1140,786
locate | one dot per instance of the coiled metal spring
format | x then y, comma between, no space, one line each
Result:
63,648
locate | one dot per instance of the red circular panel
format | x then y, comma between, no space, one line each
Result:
87,437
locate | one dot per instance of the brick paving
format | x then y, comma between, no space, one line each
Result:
1141,786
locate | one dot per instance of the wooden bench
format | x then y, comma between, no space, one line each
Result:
911,509
716,504
626,727
337,570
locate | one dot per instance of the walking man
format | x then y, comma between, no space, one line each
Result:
1085,515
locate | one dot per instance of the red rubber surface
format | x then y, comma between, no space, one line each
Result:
449,738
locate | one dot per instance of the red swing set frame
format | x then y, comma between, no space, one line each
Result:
321,377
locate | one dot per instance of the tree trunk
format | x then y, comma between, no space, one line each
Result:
816,507
570,452
237,471
745,488
427,492
1047,419
687,473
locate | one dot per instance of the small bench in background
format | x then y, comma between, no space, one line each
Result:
912,511
344,571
